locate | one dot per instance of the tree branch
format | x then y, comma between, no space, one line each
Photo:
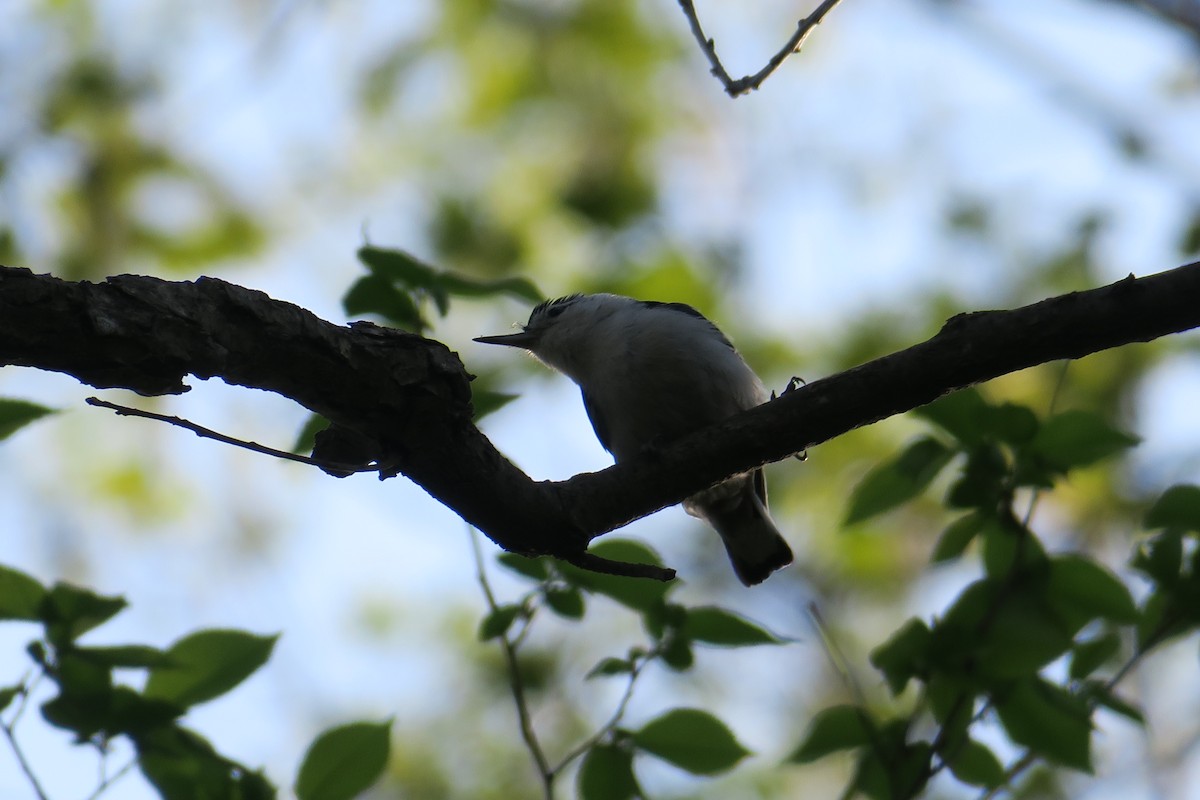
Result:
749,83
412,395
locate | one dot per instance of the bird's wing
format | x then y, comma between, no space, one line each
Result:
599,425
684,308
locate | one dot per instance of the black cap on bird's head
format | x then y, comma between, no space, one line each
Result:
539,320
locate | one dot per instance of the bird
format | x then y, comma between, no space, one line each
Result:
650,372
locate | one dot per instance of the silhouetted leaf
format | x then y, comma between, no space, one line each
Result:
607,774
207,664
344,761
956,537
903,655
718,626
691,739
534,568
640,594
833,729
565,602
21,596
16,414
1177,508
498,622
894,482
71,611
1085,586
975,764
1090,655
1049,721
1079,438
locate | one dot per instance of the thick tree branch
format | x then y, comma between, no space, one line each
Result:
412,395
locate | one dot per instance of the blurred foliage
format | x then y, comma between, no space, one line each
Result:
534,136
98,710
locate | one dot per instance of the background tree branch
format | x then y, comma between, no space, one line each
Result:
412,395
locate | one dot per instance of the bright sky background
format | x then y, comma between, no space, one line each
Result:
925,99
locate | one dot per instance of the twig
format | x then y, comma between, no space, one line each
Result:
587,744
607,566
749,83
7,728
108,780
836,657
528,734
207,433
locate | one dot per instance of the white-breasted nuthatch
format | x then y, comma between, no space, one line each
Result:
651,372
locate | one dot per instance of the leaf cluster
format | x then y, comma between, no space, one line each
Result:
985,655
97,709
690,739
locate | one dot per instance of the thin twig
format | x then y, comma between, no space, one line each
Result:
836,657
7,728
108,780
525,721
587,744
207,433
1058,385
749,83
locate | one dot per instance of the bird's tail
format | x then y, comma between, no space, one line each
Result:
737,509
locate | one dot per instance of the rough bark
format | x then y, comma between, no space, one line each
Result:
412,395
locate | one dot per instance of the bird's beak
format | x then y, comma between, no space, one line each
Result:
525,340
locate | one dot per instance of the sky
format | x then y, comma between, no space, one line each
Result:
923,100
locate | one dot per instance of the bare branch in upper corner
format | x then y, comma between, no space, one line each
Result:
744,85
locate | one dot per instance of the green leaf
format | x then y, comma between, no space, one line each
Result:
1049,721
1079,438
833,729
960,414
904,655
983,482
374,295
691,739
1004,542
397,266
130,656
207,664
1161,557
565,602
956,537
1090,655
534,568
21,596
1178,507
497,623
640,594
1100,692
975,764
610,666
718,626
8,694
344,761
607,774
897,481
677,653
486,401
1088,588
71,611
182,765
307,438
463,286
1024,635
16,414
